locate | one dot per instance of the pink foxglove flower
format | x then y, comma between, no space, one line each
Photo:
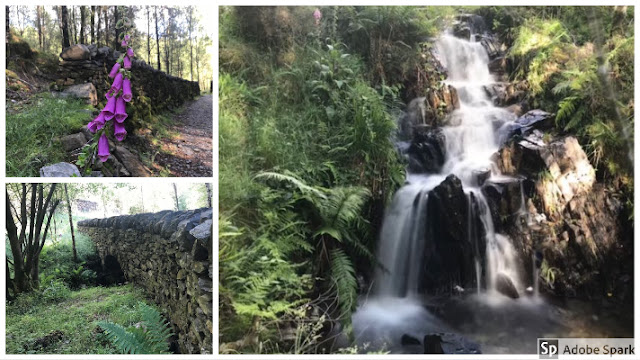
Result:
126,62
114,70
127,37
126,90
103,148
317,15
121,111
130,52
110,109
123,43
119,131
97,123
117,83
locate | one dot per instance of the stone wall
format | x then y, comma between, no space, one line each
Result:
153,90
169,255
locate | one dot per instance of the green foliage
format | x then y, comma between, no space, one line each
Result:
30,317
32,128
151,338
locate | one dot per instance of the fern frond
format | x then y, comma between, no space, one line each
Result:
158,329
301,186
344,276
122,339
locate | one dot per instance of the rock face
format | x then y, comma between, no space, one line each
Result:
449,252
73,142
427,150
431,110
169,255
86,92
153,90
76,52
448,343
62,169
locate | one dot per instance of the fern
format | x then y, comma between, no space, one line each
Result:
344,276
153,340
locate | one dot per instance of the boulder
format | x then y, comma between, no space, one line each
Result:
449,250
76,52
61,169
85,91
131,162
448,343
427,150
504,285
73,142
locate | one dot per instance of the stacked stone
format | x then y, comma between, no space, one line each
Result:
90,64
168,254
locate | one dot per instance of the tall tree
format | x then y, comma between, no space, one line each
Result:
36,210
157,38
148,35
190,22
209,194
175,193
116,19
99,12
39,27
106,24
93,23
83,20
74,27
65,27
73,236
7,27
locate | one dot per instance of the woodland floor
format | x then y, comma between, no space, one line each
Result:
68,325
189,153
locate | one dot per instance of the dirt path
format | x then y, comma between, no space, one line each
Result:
190,154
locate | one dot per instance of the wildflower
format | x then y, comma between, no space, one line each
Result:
103,148
130,52
117,83
317,15
126,90
123,43
114,70
127,62
110,109
97,123
119,131
127,37
121,112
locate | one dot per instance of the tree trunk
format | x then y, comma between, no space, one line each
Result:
83,19
106,25
39,27
7,28
116,18
148,35
209,194
175,192
65,28
98,27
157,37
74,25
191,42
26,246
73,236
93,24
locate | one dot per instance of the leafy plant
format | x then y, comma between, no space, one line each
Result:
150,338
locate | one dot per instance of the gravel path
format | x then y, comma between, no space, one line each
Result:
190,154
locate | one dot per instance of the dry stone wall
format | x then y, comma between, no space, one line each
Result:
169,255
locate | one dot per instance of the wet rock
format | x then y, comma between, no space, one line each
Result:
504,93
408,340
448,343
61,169
427,150
72,142
480,176
504,285
430,110
85,91
76,52
448,250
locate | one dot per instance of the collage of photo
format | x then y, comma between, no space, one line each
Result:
373,181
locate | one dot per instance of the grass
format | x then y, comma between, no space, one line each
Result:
32,127
29,319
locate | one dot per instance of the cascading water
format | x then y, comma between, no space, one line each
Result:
470,138
470,141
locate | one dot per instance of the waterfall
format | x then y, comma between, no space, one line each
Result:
471,139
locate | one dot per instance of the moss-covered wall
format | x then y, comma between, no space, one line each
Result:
169,255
